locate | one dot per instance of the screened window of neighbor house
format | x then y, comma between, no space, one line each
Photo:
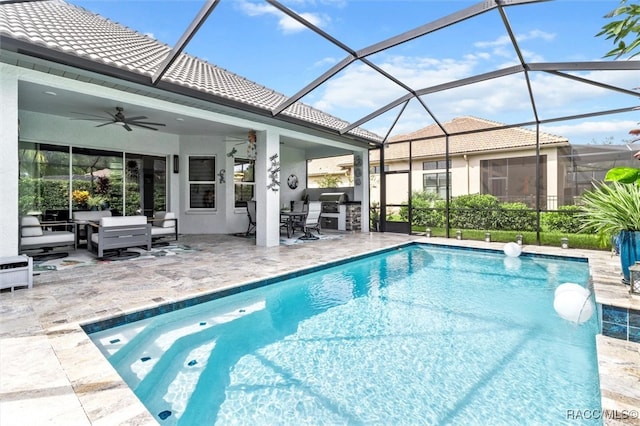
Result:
243,181
202,182
513,179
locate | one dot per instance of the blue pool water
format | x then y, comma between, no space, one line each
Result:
418,335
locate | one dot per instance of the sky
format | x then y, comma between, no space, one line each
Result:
255,40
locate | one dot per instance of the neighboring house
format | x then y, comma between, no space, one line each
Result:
498,162
335,169
81,93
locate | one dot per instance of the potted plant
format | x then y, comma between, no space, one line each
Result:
96,202
613,210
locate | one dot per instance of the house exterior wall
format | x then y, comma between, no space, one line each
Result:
293,163
9,161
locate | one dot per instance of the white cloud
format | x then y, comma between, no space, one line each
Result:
326,61
150,35
506,41
286,24
289,25
593,130
358,91
257,9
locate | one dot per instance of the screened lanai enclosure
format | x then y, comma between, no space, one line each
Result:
479,117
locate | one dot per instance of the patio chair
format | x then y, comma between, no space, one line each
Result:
251,212
311,221
118,233
45,236
164,226
291,222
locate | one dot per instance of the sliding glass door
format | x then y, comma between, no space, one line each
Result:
146,184
56,180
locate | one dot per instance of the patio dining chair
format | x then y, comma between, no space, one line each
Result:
251,212
311,221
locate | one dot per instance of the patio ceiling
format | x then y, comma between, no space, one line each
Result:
396,97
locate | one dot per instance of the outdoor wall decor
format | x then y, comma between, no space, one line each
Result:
176,164
274,172
232,152
221,176
292,181
357,170
252,152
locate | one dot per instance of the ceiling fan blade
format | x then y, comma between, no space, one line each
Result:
90,115
146,122
90,119
126,126
105,124
142,125
138,117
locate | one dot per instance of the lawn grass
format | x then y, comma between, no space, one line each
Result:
583,241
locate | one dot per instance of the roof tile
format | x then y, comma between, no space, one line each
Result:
71,29
487,140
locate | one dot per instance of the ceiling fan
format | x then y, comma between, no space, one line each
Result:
120,119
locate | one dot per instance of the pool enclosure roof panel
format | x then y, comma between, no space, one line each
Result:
405,96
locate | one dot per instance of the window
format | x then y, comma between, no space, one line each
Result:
202,182
146,183
98,175
435,165
57,180
44,180
436,183
375,170
243,181
513,179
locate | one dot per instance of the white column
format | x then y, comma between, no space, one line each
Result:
9,217
267,200
361,189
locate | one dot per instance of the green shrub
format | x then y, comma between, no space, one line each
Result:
477,211
516,217
566,219
424,209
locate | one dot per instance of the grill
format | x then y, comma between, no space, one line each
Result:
331,201
334,210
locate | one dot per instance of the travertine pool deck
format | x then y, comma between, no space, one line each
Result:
51,373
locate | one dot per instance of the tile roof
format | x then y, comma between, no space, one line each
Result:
66,28
493,140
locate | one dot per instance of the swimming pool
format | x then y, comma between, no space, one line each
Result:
422,334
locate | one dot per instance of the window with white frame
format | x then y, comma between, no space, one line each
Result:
243,181
436,183
202,182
